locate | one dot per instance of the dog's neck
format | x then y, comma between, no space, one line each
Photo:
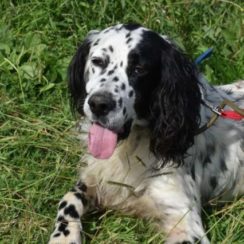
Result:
211,97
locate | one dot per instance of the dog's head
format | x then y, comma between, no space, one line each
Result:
126,75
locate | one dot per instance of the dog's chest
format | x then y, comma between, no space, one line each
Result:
124,175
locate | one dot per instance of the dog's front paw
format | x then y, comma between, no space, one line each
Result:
59,238
181,242
66,234
184,238
185,242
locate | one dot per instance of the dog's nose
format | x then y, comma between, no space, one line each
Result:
101,103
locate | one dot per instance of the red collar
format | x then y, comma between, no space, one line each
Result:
229,114
235,114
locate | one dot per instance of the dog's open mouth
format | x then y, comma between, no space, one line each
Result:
102,141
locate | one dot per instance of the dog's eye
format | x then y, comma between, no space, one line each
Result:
139,70
98,62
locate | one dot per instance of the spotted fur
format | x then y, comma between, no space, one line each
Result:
161,169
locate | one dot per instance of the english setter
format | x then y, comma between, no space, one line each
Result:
144,102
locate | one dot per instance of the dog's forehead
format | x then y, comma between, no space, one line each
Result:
117,40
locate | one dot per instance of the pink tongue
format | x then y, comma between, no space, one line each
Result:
102,142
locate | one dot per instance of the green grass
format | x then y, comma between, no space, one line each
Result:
39,156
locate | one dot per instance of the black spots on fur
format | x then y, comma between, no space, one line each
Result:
206,161
63,225
195,198
213,182
66,232
241,162
82,198
195,239
229,92
111,49
123,86
131,27
197,223
128,35
62,204
57,234
223,166
210,148
193,172
242,145
61,218
81,186
93,70
131,93
96,42
115,79
129,40
192,184
184,242
116,90
107,60
120,102
104,49
103,80
201,156
110,72
121,64
124,110
70,210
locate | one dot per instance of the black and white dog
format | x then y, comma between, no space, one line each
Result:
145,101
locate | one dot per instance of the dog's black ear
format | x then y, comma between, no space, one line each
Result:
175,111
76,83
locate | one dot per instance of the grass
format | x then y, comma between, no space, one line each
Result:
39,155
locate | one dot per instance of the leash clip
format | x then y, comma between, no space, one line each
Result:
218,110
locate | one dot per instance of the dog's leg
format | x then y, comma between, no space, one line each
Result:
180,210
72,206
184,226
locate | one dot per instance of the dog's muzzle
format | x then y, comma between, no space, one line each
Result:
101,103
